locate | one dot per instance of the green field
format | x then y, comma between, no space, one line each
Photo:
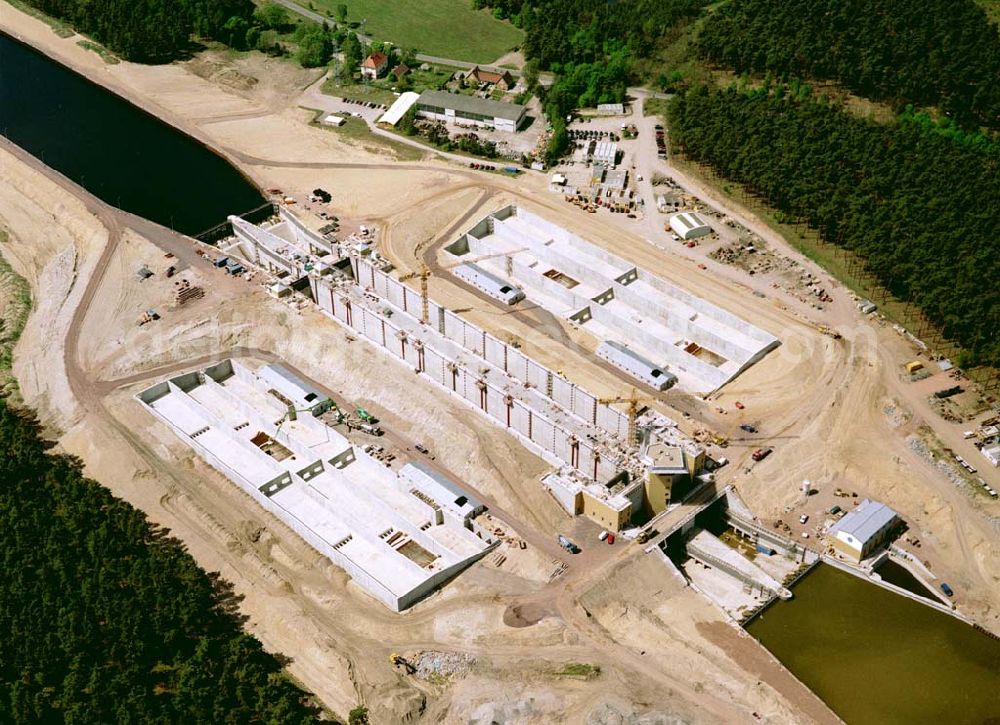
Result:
445,28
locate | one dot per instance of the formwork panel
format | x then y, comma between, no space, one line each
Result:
496,352
537,375
495,404
519,416
454,327
562,392
434,367
542,431
410,301
410,353
612,421
517,364
473,339
470,391
583,405
394,292
339,308
561,443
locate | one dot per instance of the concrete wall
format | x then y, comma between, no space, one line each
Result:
533,426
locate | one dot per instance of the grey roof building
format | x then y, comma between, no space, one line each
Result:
456,107
862,530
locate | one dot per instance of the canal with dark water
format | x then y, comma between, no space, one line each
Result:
113,149
877,657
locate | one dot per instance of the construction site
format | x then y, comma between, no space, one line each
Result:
466,452
617,468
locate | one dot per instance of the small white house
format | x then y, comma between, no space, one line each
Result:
688,225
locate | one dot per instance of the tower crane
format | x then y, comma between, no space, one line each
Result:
633,402
425,273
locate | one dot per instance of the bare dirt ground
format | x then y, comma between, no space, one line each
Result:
663,650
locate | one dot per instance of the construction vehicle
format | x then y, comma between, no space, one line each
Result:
568,545
371,429
760,454
746,427
633,402
425,273
828,332
291,414
365,416
401,662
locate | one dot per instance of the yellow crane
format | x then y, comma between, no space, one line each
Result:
633,402
425,273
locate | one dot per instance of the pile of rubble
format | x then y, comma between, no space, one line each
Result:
434,665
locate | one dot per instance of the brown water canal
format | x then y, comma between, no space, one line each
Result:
877,657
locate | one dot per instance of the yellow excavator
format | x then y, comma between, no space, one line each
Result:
400,662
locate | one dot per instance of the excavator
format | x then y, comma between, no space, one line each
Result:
400,662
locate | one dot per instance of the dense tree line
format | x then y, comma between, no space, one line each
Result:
149,30
927,52
590,45
103,618
919,201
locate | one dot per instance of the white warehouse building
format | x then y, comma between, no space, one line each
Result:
489,283
688,225
458,108
635,365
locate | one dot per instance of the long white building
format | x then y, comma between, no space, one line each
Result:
471,110
653,324
399,535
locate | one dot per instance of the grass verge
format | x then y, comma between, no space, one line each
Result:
581,670
356,131
106,55
15,304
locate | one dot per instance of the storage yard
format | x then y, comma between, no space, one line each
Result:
506,421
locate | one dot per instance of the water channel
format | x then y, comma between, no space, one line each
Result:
877,657
112,148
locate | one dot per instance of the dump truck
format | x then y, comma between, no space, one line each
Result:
760,454
365,416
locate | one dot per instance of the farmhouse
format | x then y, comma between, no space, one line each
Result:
456,108
502,79
374,65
